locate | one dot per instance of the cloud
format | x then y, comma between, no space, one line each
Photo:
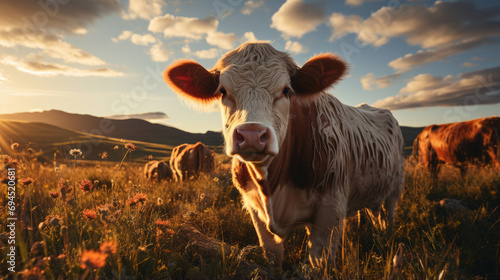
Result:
143,40
343,25
425,90
469,64
423,57
143,116
429,27
369,80
51,44
295,47
46,69
250,6
186,49
207,54
222,40
43,25
354,3
296,18
72,17
145,9
187,27
136,39
2,78
159,53
249,37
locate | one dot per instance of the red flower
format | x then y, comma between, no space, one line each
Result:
86,185
108,247
92,259
54,194
90,214
130,147
27,181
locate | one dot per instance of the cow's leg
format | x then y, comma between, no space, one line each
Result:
272,244
325,235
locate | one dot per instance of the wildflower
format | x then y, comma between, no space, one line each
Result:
31,151
54,194
9,162
216,179
108,247
141,197
34,273
86,185
75,152
150,157
162,223
14,146
116,147
130,147
90,214
104,155
27,181
132,202
159,201
91,259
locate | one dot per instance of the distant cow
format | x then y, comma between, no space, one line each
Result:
188,160
301,157
458,144
157,171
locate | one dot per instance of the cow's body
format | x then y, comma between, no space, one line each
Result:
188,160
157,171
458,144
300,158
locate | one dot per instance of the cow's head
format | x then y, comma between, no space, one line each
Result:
255,85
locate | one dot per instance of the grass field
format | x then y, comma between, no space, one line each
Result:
128,228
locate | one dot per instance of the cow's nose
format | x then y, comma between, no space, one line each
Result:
251,139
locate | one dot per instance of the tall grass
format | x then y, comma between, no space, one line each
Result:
152,224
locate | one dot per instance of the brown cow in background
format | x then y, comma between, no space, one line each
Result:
187,160
157,171
458,144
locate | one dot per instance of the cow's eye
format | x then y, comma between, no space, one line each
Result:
286,91
223,91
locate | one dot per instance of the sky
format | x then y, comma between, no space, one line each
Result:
429,62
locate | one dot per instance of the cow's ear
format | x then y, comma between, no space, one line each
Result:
319,73
192,82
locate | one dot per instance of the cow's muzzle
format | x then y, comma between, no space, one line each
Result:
251,141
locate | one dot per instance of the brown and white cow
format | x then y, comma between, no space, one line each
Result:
301,157
188,160
458,144
157,171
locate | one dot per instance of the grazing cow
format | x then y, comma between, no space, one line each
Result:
458,144
157,171
300,156
187,160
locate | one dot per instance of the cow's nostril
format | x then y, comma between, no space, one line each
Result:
239,137
264,137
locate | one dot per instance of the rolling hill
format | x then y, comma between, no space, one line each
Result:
131,129
47,140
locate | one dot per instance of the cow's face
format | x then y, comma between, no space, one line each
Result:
255,85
